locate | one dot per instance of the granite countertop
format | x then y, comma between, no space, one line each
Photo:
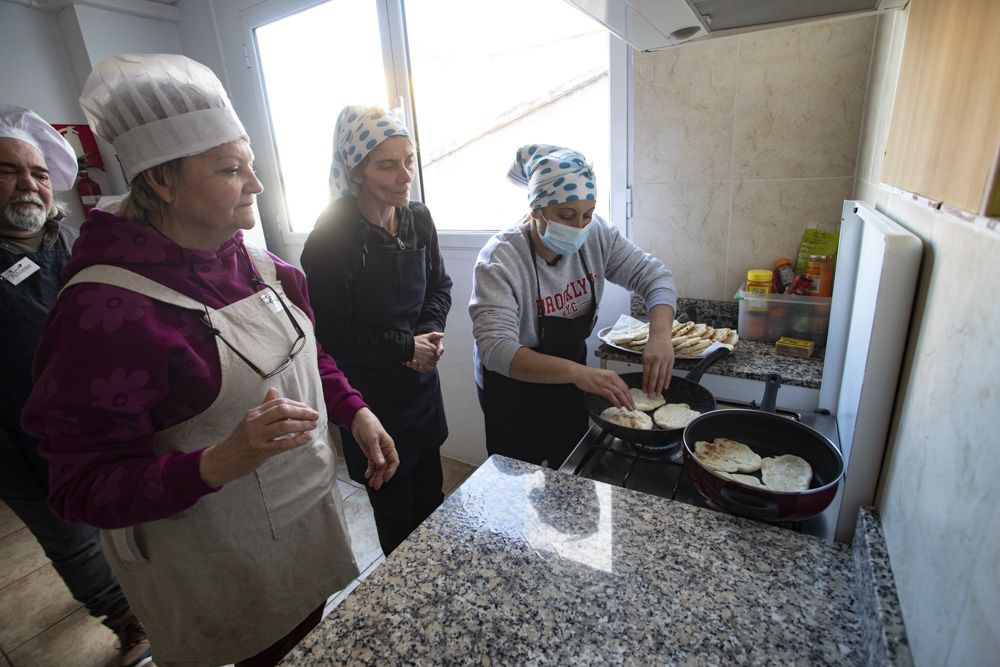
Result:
524,565
752,360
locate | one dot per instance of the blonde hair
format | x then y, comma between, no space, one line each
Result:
142,202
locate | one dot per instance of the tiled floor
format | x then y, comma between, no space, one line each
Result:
41,625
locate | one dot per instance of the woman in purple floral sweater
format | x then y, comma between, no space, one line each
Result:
180,395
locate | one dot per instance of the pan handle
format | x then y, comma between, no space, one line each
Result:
694,375
748,505
772,383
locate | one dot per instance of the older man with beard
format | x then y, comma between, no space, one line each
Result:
36,160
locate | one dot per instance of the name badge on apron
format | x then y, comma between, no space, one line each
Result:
19,271
270,299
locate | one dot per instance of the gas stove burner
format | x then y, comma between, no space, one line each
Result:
655,452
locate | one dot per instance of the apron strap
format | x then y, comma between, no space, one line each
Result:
263,262
133,282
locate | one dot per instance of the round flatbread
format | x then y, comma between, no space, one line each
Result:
674,415
786,473
748,480
684,329
694,350
644,402
628,418
727,455
720,335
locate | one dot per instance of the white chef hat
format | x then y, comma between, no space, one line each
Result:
154,108
60,158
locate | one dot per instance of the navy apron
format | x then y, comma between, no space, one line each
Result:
389,294
23,311
537,422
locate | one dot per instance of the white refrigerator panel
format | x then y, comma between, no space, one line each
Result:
877,269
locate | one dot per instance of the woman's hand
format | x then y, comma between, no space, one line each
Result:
427,349
603,383
377,447
273,427
658,355
657,364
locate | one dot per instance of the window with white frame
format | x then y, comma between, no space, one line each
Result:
475,80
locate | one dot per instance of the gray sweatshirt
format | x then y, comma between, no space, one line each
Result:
505,304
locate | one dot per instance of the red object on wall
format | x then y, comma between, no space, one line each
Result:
83,142
89,191
81,138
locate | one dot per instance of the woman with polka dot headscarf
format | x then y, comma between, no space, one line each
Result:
381,294
536,289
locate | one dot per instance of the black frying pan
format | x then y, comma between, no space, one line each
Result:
681,390
768,434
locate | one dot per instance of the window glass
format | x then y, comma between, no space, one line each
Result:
491,77
313,64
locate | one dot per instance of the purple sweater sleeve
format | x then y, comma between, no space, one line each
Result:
99,396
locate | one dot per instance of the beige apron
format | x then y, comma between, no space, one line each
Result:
226,578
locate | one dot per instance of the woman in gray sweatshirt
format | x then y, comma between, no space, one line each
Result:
536,289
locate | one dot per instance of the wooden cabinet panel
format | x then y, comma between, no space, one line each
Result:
944,138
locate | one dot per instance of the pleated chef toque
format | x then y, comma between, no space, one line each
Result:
24,124
157,107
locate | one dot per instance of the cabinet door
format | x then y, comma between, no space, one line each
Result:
944,139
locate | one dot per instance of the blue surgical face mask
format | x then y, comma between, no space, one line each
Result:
563,239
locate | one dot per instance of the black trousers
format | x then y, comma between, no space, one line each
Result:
402,504
73,548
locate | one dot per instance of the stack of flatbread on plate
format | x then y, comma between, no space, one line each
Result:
729,458
691,339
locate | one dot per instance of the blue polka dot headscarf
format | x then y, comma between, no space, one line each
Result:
553,175
359,129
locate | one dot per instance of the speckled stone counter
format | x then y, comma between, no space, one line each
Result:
523,565
751,359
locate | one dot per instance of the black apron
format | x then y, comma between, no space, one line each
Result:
541,422
389,294
23,310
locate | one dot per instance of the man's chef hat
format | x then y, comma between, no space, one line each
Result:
26,125
157,107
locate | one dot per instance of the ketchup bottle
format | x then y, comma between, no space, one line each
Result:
800,285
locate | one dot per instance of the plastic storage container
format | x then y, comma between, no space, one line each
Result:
772,316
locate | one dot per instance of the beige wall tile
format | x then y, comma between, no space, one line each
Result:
21,555
976,641
939,493
768,218
31,604
79,640
799,99
686,225
886,57
683,106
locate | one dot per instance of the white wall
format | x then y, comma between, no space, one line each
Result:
37,74
938,493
